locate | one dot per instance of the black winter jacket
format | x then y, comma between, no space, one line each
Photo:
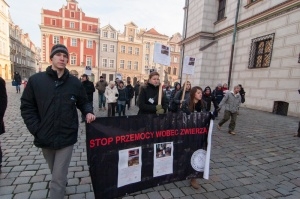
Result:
48,107
90,89
3,104
148,93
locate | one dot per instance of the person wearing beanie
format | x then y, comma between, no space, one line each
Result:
49,109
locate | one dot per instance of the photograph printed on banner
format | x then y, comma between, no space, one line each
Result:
163,150
192,61
133,157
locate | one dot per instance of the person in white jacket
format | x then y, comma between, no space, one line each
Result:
111,93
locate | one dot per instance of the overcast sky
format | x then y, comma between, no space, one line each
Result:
166,16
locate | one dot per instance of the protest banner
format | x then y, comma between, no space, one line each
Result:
128,154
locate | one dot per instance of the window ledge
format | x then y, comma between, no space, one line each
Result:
251,4
219,21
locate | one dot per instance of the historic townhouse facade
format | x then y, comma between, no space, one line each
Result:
5,67
265,55
108,52
173,70
149,38
130,53
80,33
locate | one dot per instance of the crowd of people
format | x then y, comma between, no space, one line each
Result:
50,101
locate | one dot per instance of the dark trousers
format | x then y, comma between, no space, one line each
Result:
227,116
299,130
0,155
111,109
128,102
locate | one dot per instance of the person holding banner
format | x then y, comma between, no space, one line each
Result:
49,109
148,97
194,103
178,97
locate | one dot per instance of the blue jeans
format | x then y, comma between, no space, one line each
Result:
102,100
121,107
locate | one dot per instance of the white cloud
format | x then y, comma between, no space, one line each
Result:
166,16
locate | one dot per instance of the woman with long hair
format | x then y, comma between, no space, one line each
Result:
148,97
194,103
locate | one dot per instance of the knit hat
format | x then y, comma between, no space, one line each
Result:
219,85
59,48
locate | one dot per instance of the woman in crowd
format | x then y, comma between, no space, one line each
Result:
111,93
123,97
194,103
148,97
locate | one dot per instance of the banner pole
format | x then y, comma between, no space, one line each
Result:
184,88
160,85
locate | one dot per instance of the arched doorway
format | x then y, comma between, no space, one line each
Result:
92,77
74,73
134,80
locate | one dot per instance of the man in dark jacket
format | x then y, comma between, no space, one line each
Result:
18,80
3,105
101,86
48,107
209,98
130,92
89,89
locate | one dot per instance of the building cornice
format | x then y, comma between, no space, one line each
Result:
275,11
68,33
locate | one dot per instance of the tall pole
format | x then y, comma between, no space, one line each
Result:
99,36
233,42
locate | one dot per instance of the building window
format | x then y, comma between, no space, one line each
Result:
112,48
104,34
53,22
130,38
122,49
112,35
148,45
261,51
72,25
147,57
129,65
175,59
169,70
73,42
104,47
129,50
174,71
73,60
111,63
89,44
122,64
89,61
221,10
136,65
55,39
72,14
137,51
172,49
104,63
89,27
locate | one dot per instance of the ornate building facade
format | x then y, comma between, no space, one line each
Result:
5,66
78,32
255,43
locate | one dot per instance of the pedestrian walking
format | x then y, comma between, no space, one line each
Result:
111,93
18,80
48,107
89,89
136,92
3,106
122,98
232,101
194,103
148,99
100,86
130,92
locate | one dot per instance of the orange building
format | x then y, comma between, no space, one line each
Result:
78,32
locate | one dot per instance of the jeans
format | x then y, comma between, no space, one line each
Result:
18,87
102,100
58,162
121,107
227,116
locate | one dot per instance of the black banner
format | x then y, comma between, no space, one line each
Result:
128,154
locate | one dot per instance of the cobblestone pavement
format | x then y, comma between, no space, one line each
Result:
261,161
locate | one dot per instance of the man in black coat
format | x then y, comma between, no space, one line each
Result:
18,80
3,105
130,92
48,107
89,88
136,91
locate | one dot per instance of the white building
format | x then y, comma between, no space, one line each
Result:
266,51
